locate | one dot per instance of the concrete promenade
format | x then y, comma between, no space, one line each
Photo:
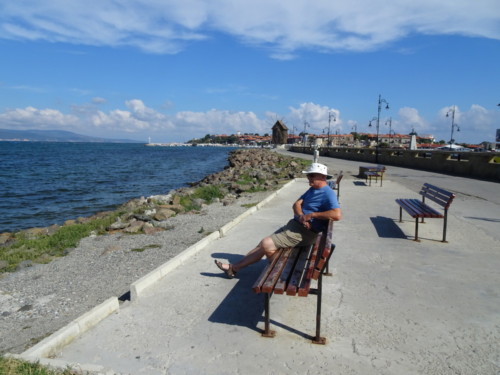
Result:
392,306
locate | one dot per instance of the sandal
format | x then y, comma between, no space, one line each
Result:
228,271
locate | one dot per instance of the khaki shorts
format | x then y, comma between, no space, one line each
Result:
293,234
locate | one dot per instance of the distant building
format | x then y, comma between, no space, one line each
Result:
280,133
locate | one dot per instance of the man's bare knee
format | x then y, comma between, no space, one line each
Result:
268,247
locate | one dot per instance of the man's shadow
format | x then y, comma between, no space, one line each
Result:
241,306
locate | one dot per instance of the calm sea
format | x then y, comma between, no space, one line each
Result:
47,183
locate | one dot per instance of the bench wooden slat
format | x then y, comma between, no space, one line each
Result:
326,245
300,270
416,208
280,286
257,286
272,278
438,195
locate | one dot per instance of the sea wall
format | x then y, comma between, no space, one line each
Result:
483,165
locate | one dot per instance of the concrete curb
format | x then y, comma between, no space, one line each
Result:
48,346
148,280
226,228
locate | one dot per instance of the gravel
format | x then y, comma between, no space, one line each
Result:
37,301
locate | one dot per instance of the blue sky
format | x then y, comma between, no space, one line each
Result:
176,70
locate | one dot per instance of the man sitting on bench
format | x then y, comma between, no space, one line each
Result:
312,211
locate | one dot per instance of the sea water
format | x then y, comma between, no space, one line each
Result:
45,183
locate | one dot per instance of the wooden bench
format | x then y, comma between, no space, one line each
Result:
369,172
335,185
418,209
291,272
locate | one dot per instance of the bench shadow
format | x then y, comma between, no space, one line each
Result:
241,306
360,183
387,228
493,220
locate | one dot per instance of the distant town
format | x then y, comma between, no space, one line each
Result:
354,139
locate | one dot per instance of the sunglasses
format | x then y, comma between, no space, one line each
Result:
314,175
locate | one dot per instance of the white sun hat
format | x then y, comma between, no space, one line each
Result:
318,168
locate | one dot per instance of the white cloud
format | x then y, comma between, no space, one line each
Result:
410,119
286,26
220,122
140,121
33,118
316,117
98,100
136,119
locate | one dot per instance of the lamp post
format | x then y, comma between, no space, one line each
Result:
330,116
380,101
293,133
306,124
324,130
453,125
389,122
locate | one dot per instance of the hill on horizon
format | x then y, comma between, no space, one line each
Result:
54,136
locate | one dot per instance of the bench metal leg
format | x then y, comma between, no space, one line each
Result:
318,339
267,331
445,221
327,272
400,214
416,230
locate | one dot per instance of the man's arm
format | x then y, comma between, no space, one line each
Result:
334,214
297,208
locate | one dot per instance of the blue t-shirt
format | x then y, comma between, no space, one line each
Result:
319,200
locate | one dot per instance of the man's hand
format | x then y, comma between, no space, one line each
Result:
305,220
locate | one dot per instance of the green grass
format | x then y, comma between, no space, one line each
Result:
11,366
249,205
141,249
207,193
44,248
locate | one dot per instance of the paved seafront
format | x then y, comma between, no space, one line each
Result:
392,306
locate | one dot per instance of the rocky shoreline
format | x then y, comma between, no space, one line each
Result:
38,299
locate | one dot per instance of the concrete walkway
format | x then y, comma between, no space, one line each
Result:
392,306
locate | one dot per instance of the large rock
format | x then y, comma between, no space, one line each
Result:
163,214
134,227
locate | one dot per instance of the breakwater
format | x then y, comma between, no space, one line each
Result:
482,165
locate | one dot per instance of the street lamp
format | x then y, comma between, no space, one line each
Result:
389,122
380,101
330,116
306,124
453,125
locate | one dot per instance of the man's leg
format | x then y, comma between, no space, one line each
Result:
265,247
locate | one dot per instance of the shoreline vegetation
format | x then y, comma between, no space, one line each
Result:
248,171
